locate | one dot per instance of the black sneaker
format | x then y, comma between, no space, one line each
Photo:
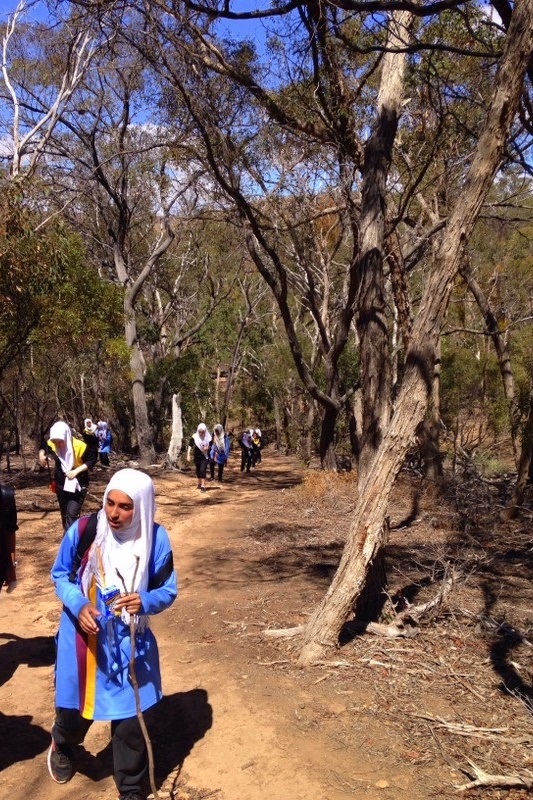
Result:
60,763
129,796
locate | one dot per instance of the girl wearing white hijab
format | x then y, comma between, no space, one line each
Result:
199,444
105,439
72,458
220,447
125,576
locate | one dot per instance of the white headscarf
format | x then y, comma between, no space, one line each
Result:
202,442
218,437
89,426
114,551
65,451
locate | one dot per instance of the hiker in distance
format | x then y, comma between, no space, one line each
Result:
105,440
72,459
247,450
109,591
219,452
199,446
255,433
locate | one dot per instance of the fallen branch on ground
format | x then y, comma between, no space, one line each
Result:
464,729
483,778
422,610
404,624
283,633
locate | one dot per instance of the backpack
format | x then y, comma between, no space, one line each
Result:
8,510
8,524
87,534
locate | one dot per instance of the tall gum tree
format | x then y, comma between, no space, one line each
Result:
366,534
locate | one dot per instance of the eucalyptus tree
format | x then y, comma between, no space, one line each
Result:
366,533
179,309
74,359
496,326
34,258
26,77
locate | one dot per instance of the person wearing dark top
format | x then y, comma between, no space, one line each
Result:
199,446
72,459
8,529
246,451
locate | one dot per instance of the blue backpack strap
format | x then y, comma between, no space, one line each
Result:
86,534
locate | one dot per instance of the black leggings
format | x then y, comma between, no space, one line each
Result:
70,504
130,762
201,467
219,471
246,458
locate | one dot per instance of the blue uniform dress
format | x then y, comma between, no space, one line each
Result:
92,671
105,441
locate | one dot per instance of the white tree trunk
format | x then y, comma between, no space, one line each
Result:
176,439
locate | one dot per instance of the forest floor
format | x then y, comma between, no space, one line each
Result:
402,718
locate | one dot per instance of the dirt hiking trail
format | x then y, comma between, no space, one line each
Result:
239,720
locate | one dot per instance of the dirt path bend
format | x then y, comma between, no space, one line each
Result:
238,720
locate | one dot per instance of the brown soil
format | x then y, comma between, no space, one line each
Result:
383,718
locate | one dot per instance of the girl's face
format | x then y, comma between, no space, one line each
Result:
119,509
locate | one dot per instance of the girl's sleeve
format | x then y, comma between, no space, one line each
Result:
69,593
161,563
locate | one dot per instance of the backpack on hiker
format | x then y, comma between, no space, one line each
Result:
8,527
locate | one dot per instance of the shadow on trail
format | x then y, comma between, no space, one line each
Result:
20,740
516,566
236,487
502,659
265,479
296,556
499,562
174,726
36,651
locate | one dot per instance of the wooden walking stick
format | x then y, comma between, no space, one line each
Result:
133,676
